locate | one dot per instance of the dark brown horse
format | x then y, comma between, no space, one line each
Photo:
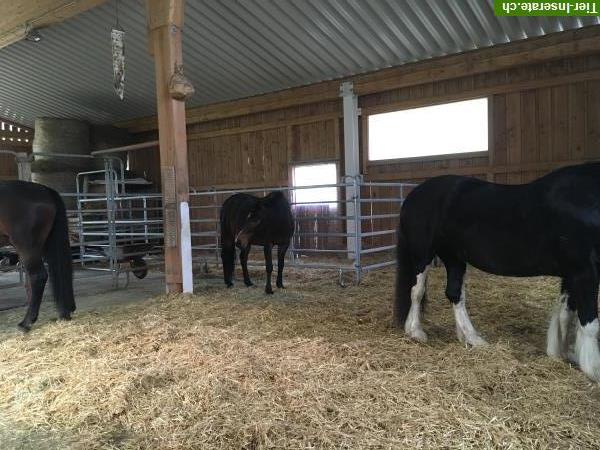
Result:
33,218
247,220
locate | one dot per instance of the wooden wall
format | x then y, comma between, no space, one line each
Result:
14,138
8,167
253,150
544,113
540,117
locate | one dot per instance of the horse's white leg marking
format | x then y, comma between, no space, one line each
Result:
465,331
587,351
558,330
566,319
413,327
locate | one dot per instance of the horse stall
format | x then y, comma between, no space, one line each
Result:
345,237
346,108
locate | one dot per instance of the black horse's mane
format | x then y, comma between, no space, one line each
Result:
274,196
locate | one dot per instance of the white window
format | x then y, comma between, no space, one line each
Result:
315,175
459,127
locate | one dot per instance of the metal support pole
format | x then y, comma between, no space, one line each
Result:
217,227
357,231
291,254
145,206
351,161
110,182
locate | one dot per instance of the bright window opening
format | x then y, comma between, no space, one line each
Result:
459,127
315,175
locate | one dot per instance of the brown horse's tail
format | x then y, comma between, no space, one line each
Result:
59,259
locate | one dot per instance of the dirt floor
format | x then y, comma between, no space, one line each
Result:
93,290
314,366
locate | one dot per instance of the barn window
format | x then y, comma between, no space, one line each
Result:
451,128
315,175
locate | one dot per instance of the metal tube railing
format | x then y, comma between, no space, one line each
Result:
111,225
380,226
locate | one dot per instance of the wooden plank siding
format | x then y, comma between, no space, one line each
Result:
551,122
531,131
255,151
8,167
14,137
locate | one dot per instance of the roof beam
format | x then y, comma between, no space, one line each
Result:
20,16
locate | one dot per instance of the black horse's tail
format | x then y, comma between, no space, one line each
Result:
227,247
228,260
59,259
405,280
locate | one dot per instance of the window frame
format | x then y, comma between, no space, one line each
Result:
335,162
404,106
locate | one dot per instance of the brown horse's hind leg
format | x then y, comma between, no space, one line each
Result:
244,251
269,266
281,249
228,260
36,279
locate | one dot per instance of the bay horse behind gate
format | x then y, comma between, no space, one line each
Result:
247,220
550,226
34,220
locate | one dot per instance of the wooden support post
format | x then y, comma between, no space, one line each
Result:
165,21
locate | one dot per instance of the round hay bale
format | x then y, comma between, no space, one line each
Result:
62,136
63,182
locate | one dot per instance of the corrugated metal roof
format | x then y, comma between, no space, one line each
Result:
239,48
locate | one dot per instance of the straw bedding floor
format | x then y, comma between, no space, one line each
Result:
316,366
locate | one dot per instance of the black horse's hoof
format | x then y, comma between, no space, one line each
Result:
24,327
139,268
66,317
249,283
140,274
269,291
280,286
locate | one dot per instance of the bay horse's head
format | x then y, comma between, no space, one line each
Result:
255,218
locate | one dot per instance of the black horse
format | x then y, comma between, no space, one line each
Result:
548,227
33,219
247,220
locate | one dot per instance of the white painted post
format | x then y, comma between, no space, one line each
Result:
351,162
186,249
